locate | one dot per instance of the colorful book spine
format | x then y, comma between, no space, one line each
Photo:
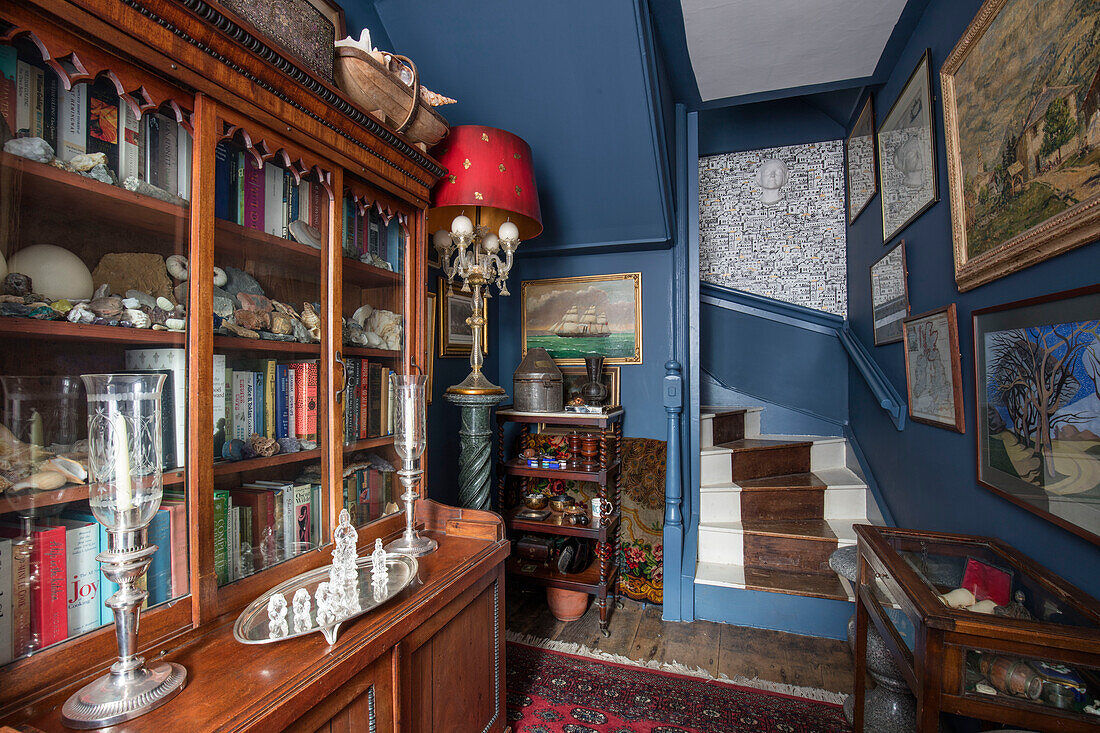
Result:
49,607
242,384
103,121
174,360
183,164
375,393
221,516
72,122
168,153
302,514
233,543
159,575
315,513
177,522
306,398
247,547
253,195
242,164
153,171
374,233
294,200
129,142
273,199
281,413
316,204
287,205
49,108
21,638
82,575
8,98
6,610
38,102
24,92
224,182
291,411
270,386
220,418
258,394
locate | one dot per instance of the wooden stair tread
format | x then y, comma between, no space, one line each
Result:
755,444
809,529
788,481
820,585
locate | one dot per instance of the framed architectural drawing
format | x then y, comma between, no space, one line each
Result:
889,295
455,337
1021,109
573,378
1037,366
933,374
572,317
907,153
860,179
429,342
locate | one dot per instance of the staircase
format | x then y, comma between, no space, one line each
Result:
772,509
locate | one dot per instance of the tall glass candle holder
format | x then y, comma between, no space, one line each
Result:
410,437
124,491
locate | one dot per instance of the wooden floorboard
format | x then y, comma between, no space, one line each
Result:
637,632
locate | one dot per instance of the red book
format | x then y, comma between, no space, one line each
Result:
305,399
253,195
49,603
177,523
364,400
262,503
315,204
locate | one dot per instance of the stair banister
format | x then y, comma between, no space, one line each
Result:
888,397
674,520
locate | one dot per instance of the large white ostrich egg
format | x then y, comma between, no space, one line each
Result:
55,272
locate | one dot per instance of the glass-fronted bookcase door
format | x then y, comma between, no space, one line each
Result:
95,201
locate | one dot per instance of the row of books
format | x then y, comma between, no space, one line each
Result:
365,233
91,118
263,523
371,492
52,587
273,399
264,197
369,400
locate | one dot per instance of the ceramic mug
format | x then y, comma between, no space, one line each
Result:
597,507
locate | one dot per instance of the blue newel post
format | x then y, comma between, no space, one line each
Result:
674,520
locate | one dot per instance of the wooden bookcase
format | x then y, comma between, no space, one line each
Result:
221,83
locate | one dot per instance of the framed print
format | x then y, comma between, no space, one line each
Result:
1021,110
1037,366
429,342
907,153
572,317
933,374
889,295
573,378
455,337
859,162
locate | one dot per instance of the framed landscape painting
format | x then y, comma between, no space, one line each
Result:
907,153
933,372
859,160
1037,366
1021,107
889,295
572,317
455,336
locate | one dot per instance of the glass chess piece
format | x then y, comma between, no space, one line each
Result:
302,604
276,616
380,576
344,575
325,612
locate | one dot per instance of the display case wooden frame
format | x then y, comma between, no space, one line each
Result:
187,60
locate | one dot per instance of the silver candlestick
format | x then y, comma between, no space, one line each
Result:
410,438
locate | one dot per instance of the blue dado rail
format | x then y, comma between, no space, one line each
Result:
787,354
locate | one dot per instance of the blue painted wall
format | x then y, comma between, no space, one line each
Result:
942,494
765,125
360,14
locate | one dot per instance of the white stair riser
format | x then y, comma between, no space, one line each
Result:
720,546
720,505
849,502
828,454
752,424
706,432
726,576
716,468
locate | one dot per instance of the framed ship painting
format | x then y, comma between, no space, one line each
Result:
1021,110
907,153
889,295
933,373
1037,366
572,317
859,161
455,336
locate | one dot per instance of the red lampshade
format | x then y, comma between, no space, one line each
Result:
487,168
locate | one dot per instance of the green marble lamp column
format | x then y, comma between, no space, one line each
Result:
475,458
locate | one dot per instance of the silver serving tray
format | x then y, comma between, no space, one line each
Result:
251,626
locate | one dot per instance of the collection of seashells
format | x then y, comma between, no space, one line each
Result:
25,467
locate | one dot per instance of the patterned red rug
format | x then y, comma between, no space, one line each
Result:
551,692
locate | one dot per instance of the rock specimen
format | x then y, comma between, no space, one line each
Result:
264,446
31,148
86,161
109,307
253,320
16,283
239,281
258,303
142,271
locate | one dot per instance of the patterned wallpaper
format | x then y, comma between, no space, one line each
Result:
772,223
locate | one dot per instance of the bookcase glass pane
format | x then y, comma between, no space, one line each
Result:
94,203
373,247
268,500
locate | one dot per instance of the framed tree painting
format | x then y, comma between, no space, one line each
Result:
572,317
455,336
859,160
1037,366
889,295
429,342
933,373
907,153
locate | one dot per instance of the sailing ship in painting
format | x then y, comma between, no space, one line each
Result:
591,324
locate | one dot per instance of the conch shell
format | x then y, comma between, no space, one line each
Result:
434,100
312,321
72,470
43,481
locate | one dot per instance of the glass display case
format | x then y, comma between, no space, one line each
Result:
979,629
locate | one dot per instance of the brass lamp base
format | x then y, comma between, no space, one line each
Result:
475,384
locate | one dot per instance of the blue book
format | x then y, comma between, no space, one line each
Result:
282,413
258,402
295,210
223,185
159,582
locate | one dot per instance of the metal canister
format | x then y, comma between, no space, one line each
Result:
536,383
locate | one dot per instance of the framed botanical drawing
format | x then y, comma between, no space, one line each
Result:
429,342
455,336
859,160
907,153
573,378
933,373
572,317
1037,366
889,295
1021,109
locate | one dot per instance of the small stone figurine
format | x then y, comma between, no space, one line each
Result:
325,612
380,577
276,616
302,621
343,579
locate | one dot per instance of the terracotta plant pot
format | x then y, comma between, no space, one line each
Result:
566,605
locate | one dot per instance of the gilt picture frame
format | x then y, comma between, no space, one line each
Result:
860,166
1021,109
889,295
1036,372
933,369
572,317
455,336
907,153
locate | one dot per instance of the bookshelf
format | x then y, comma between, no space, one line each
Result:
362,189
